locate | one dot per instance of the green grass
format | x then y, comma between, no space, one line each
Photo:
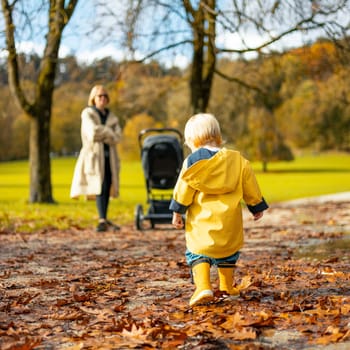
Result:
307,176
16,213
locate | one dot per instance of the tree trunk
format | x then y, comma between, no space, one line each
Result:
264,166
39,160
204,56
39,110
197,101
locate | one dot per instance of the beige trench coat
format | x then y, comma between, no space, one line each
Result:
89,169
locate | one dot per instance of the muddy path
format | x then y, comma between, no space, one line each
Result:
130,289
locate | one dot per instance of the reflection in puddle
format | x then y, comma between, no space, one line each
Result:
334,248
283,339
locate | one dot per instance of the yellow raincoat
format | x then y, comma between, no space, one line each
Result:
211,190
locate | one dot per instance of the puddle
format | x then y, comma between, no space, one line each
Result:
332,248
293,340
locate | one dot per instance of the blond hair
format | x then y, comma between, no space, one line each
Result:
96,90
202,129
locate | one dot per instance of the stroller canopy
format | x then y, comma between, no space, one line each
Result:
162,158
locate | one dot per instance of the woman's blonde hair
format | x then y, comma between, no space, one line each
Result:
202,129
96,90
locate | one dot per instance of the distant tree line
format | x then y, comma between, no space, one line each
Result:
152,29
294,100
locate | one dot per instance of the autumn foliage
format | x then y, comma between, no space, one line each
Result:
129,290
302,102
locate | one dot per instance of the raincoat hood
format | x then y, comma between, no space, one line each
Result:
217,175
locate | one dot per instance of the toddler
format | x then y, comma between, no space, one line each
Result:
209,190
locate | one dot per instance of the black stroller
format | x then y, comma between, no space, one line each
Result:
161,157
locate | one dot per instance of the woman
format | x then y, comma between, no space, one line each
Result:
96,173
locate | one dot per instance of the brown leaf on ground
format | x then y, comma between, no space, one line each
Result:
130,289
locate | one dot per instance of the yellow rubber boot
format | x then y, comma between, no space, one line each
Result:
201,277
226,280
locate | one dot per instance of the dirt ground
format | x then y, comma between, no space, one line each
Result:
130,289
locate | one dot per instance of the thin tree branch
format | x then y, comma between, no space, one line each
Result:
164,48
272,40
12,58
240,82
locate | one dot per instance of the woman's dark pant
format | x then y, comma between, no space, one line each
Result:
102,200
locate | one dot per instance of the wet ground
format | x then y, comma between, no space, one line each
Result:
321,251
328,239
130,290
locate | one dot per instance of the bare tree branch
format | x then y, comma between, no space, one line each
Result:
240,82
164,48
273,39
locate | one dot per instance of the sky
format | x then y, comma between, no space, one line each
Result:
80,40
99,45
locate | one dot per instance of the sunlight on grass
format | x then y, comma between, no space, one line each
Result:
306,176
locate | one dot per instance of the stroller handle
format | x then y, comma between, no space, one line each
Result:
145,132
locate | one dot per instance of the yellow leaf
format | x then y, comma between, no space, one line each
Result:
232,321
245,283
244,334
135,332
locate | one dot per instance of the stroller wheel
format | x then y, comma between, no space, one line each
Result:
152,211
139,217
